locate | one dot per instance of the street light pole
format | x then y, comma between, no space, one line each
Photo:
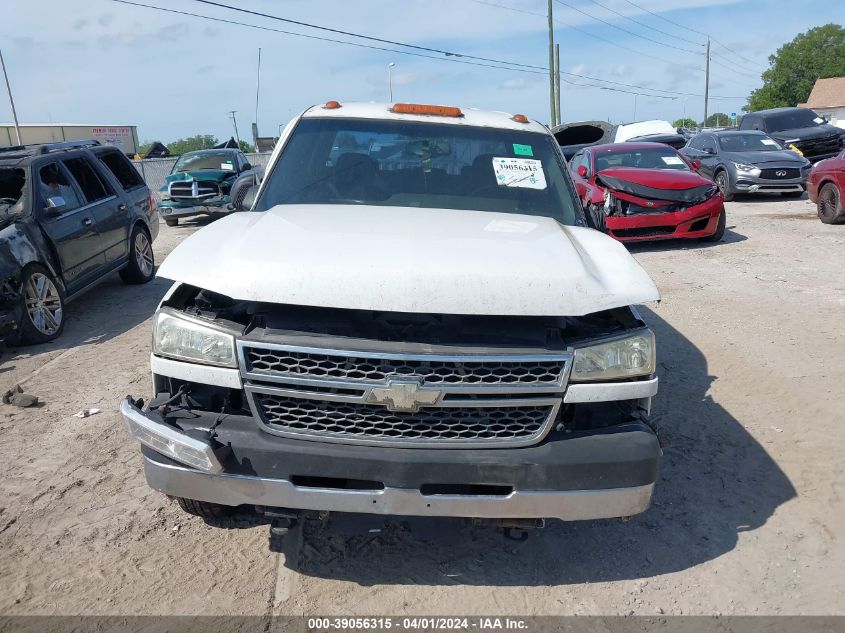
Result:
390,79
11,101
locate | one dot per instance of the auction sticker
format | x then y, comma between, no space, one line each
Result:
519,172
672,160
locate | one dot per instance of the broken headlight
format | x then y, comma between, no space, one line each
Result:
620,358
190,340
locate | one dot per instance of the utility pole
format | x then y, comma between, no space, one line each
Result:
12,101
552,108
706,83
235,123
557,85
257,91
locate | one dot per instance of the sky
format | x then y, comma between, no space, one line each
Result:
174,76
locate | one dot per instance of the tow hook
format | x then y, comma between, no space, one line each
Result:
281,522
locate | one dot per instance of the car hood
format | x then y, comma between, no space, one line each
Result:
215,175
400,259
655,178
758,158
807,133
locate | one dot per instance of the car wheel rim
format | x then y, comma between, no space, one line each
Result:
144,254
828,203
722,183
43,304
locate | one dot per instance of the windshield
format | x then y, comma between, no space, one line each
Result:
428,165
12,182
205,160
650,158
792,120
748,143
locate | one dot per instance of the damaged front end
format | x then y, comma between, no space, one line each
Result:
642,206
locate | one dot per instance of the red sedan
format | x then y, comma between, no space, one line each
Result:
647,191
825,186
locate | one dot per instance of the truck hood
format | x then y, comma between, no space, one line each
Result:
400,259
807,133
215,175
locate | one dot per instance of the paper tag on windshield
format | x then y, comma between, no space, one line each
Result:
769,141
818,120
519,172
672,160
227,166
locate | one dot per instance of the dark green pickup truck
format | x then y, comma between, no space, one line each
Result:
200,182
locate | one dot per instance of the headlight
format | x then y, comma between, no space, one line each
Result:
192,341
750,169
622,358
163,195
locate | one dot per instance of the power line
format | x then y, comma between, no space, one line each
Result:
452,57
629,32
366,37
541,70
688,28
648,26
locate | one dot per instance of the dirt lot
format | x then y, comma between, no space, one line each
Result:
747,518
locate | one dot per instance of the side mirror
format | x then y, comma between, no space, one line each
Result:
55,206
709,150
696,164
582,171
247,167
243,192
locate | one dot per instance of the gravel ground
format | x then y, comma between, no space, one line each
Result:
747,516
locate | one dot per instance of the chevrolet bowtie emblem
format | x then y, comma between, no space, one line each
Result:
403,394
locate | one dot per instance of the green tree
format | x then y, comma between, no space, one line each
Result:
145,147
192,143
717,119
687,122
246,148
793,69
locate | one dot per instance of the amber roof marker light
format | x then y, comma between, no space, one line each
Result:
520,118
431,110
331,105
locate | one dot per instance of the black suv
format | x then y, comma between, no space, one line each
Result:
799,127
70,214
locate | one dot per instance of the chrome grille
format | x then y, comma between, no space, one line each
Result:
354,421
435,399
433,371
192,189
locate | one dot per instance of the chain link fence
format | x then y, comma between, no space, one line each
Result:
155,170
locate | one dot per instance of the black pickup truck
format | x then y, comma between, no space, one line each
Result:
798,128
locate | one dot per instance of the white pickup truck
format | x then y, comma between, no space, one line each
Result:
411,317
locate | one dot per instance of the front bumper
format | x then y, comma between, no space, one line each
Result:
691,223
750,184
593,474
169,210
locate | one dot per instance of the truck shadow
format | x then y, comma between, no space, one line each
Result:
715,482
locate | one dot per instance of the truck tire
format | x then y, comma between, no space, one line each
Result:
171,221
141,266
42,306
204,510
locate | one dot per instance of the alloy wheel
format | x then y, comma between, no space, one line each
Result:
43,304
144,254
828,203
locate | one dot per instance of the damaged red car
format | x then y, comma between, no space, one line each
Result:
647,191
